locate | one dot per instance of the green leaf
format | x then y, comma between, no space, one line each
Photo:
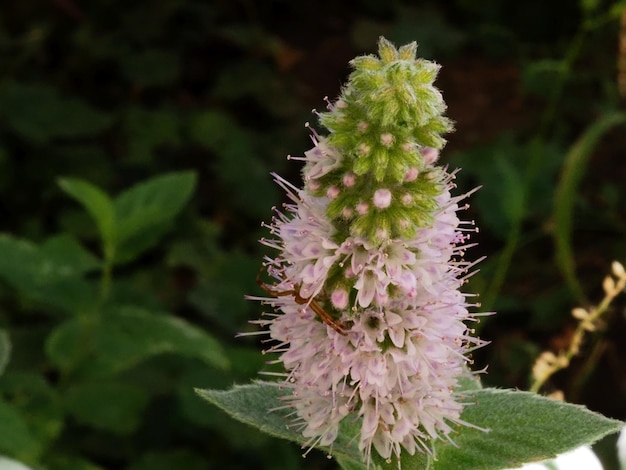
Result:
39,113
147,209
71,343
5,350
253,405
130,335
109,406
523,427
37,402
64,250
566,194
16,439
127,336
98,204
346,463
42,275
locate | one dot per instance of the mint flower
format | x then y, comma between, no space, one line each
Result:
370,318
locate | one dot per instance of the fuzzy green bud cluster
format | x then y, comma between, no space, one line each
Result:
381,181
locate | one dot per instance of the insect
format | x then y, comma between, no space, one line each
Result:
316,307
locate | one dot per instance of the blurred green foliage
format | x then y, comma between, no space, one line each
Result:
136,141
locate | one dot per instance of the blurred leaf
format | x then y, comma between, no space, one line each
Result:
109,406
42,277
71,343
40,113
16,439
147,130
523,427
65,251
5,350
544,76
567,190
37,402
98,204
145,211
151,68
129,335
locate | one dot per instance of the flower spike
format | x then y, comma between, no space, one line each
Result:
369,267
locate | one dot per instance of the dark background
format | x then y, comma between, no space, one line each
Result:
116,92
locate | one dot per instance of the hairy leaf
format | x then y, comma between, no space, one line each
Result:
515,428
522,427
260,405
